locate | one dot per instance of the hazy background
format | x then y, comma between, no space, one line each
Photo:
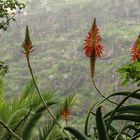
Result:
58,29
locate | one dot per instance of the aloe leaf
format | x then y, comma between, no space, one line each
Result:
118,106
134,109
87,120
101,128
32,122
76,133
135,137
136,95
134,118
127,126
121,132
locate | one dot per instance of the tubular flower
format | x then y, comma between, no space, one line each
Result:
135,51
66,114
93,46
27,44
93,42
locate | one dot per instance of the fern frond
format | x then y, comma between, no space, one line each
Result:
31,97
28,90
1,87
49,97
32,122
67,102
18,116
4,112
48,132
44,132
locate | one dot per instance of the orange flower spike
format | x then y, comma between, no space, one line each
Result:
27,44
135,51
93,46
66,112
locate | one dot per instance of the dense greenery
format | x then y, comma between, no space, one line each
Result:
130,72
8,10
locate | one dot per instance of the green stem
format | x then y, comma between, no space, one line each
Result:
20,123
135,137
12,132
94,84
41,97
38,91
66,122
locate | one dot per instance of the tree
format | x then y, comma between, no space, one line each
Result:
8,11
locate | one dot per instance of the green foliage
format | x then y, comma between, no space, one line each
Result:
50,131
31,123
105,127
5,16
87,121
130,73
46,131
3,68
29,111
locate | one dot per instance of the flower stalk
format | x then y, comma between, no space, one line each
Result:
10,130
94,84
28,49
94,49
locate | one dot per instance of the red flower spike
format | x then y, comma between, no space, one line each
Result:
93,42
93,46
135,51
27,44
